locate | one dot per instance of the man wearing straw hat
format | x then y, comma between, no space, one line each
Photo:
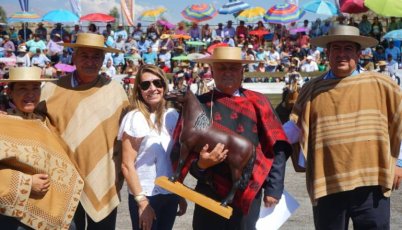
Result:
348,124
86,109
236,110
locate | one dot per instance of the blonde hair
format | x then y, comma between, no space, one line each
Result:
140,104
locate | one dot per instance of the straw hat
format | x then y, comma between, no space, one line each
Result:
89,40
344,33
26,74
225,54
382,63
164,36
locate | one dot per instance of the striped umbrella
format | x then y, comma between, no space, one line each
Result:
283,13
233,6
198,13
321,7
152,15
24,17
251,15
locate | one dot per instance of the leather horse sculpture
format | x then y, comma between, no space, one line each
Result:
197,131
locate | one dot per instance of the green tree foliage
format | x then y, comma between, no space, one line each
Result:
114,12
3,15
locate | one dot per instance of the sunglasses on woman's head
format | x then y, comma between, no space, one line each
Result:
158,83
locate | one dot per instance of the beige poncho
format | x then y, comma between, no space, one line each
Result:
28,147
87,118
351,132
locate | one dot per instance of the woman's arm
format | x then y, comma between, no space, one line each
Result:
131,146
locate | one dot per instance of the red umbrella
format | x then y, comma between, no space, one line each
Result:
352,6
212,47
258,33
97,17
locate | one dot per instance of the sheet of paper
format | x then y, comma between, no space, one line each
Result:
302,159
273,218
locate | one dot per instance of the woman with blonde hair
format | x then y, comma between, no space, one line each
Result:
146,133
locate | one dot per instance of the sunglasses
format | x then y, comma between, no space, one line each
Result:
158,83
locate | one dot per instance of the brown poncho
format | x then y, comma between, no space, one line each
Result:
28,147
351,132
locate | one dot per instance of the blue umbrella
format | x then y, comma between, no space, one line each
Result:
394,35
233,6
60,16
321,7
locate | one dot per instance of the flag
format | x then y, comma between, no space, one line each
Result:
76,7
127,11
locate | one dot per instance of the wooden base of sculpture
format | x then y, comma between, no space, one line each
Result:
186,192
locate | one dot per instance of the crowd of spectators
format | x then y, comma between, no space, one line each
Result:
275,47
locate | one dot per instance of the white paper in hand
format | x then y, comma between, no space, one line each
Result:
273,218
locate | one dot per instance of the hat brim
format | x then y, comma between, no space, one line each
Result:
28,80
212,60
106,49
363,41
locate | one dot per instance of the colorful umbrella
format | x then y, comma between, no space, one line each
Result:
193,56
24,17
65,67
180,36
387,8
166,24
233,6
283,13
97,17
59,16
321,7
212,47
251,15
258,33
352,6
198,13
394,35
195,43
180,58
152,15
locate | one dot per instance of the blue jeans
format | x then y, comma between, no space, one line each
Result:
81,219
165,208
11,223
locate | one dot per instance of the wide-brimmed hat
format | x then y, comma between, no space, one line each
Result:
225,54
22,49
164,36
382,63
89,40
25,74
344,33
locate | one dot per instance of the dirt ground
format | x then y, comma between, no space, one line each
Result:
294,184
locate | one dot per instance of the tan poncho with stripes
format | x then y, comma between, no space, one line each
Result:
87,118
28,147
351,132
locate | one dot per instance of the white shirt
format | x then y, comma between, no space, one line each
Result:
153,159
309,67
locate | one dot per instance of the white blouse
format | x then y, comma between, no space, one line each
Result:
153,159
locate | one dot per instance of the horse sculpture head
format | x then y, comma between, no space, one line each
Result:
197,131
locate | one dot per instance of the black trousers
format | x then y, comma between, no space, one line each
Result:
82,221
203,219
366,206
11,223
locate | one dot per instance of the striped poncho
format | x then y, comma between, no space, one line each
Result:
351,132
87,118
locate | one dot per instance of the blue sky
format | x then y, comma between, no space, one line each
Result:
174,7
